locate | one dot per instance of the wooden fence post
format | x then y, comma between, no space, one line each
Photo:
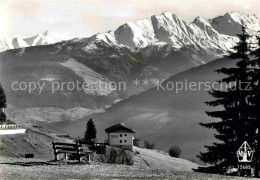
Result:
54,149
78,151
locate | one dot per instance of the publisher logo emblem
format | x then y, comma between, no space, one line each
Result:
245,153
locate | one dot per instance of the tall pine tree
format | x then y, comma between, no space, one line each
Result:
2,105
256,103
234,127
91,131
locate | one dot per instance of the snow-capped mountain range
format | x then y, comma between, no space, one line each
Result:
154,48
168,28
216,36
37,40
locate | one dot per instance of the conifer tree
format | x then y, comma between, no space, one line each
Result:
256,103
2,105
235,116
91,131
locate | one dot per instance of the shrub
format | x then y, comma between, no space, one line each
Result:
174,151
149,145
112,156
117,156
125,157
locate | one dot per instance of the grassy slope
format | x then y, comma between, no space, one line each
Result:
158,160
36,141
149,164
161,167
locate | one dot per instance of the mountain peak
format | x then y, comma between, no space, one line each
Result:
230,23
46,33
170,15
167,13
227,14
133,35
200,20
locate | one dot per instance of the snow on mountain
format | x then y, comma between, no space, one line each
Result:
230,23
12,44
215,35
17,43
3,45
38,40
135,35
170,29
210,38
93,43
43,39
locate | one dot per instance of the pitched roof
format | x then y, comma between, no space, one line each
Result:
119,128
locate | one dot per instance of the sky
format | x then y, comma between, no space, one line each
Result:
83,18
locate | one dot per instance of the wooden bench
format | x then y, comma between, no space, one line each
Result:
68,148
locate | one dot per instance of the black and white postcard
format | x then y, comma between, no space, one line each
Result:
129,89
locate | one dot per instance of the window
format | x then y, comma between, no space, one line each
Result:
125,134
120,141
120,135
125,141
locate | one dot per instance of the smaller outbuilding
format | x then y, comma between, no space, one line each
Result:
120,136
